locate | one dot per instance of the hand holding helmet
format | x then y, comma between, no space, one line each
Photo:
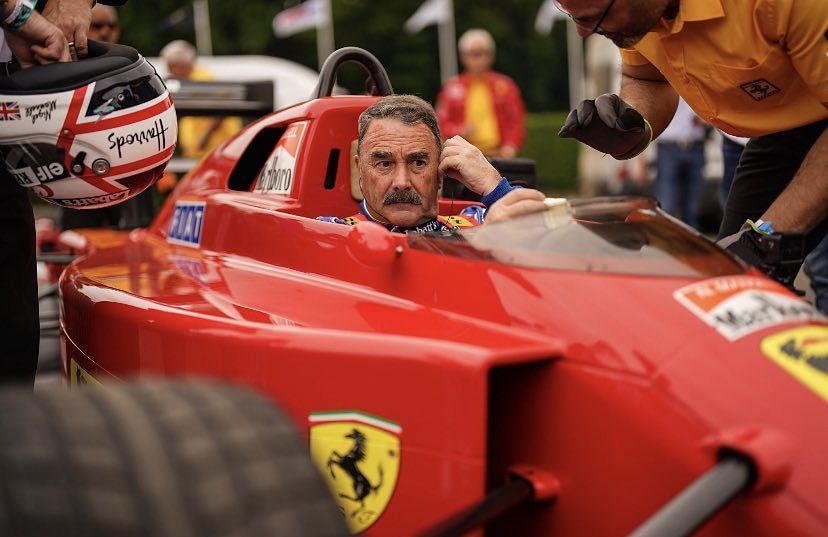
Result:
33,39
609,125
73,18
87,134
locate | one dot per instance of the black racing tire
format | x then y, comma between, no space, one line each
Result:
155,459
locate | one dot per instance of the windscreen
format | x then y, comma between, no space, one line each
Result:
624,235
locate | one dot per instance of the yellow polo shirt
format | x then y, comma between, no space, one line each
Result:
749,67
480,114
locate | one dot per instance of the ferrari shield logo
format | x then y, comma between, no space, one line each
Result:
359,456
80,376
802,352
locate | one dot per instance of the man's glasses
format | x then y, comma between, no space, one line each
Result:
476,52
580,23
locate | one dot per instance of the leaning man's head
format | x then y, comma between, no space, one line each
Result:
397,156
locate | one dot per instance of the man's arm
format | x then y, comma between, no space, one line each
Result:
804,202
801,26
644,88
34,40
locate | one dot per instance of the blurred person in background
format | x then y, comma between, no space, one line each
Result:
679,165
197,136
481,105
104,25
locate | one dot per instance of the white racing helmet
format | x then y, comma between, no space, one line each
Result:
87,134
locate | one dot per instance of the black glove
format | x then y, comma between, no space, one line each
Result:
779,255
609,125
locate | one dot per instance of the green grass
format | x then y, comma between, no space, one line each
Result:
556,158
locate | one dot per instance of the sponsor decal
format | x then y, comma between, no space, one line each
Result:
186,223
359,456
93,200
760,89
276,176
79,377
802,352
156,134
9,111
40,112
740,305
30,176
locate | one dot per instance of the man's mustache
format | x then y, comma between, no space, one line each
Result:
402,196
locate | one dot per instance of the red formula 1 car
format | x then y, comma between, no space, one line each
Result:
595,369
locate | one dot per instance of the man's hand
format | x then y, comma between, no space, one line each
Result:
37,41
462,161
517,202
609,125
73,17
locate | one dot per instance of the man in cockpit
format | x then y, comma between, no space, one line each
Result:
401,160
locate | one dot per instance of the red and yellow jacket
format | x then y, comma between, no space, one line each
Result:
508,104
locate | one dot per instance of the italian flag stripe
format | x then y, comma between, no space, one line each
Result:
354,415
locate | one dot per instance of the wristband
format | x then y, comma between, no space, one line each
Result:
13,13
761,226
634,152
19,15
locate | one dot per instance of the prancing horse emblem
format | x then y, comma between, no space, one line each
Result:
348,462
760,89
359,455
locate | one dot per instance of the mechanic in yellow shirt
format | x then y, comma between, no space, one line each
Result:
755,68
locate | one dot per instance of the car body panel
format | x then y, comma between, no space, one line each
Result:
605,380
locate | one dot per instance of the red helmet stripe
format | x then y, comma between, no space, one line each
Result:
144,163
71,128
124,120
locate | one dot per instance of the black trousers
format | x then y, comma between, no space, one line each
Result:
19,324
768,164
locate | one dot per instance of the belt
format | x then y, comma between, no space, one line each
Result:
683,144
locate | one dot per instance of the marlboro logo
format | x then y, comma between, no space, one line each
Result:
740,305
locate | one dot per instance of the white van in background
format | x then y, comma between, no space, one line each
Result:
292,82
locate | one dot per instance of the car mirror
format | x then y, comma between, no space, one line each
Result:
371,244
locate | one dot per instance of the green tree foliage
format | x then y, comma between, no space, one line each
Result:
536,62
